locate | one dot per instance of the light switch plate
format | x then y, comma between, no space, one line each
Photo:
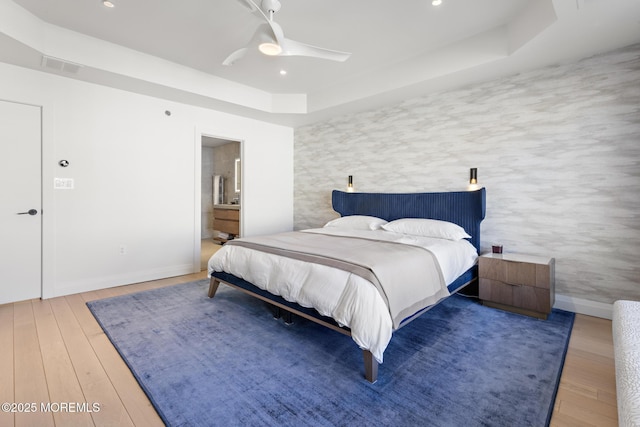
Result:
63,183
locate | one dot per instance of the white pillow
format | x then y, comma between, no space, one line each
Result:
357,222
427,228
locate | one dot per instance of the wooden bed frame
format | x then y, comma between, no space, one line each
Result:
465,208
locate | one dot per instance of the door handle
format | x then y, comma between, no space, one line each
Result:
29,212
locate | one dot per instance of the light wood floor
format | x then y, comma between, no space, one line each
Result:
53,351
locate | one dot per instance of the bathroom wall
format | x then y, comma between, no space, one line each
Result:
218,160
206,206
224,158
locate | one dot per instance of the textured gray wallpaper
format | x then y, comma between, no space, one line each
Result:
558,150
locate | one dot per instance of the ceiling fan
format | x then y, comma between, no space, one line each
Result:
270,40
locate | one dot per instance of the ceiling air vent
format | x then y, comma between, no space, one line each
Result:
60,65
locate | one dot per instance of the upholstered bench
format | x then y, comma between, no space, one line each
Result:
626,347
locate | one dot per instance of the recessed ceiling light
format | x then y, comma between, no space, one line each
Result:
283,72
436,2
107,3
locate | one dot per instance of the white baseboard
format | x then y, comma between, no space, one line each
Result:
584,306
118,280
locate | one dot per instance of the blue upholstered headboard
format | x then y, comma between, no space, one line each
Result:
465,208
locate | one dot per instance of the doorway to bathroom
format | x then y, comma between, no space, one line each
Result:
221,194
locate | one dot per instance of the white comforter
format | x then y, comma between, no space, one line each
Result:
349,299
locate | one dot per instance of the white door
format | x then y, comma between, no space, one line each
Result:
20,206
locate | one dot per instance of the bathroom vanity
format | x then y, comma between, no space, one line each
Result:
226,219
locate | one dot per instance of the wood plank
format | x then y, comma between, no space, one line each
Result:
588,372
587,414
104,293
565,420
61,378
587,394
587,403
90,296
568,387
138,406
6,362
593,335
95,383
608,396
30,381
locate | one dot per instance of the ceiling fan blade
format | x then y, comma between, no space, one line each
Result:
238,54
294,48
264,33
276,32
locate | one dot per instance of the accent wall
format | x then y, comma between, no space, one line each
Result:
558,150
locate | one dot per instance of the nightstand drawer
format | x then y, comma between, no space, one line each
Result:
516,272
521,296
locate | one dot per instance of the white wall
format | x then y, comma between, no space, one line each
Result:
558,150
137,181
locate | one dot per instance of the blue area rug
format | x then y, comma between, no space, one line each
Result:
226,361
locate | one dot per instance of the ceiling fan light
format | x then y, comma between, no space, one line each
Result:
269,48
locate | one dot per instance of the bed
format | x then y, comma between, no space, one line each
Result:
386,260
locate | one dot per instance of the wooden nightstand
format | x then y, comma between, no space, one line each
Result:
520,283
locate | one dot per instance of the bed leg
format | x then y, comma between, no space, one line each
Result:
288,317
277,312
213,287
370,366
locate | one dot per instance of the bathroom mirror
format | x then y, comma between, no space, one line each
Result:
238,176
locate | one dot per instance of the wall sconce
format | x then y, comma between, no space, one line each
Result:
350,184
473,179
